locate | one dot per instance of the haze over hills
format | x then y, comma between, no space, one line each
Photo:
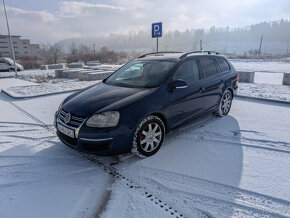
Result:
276,39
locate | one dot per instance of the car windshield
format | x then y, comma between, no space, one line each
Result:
141,74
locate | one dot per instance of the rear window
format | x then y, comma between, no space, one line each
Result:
223,64
208,66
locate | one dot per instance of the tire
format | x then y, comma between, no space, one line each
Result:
12,70
148,137
225,104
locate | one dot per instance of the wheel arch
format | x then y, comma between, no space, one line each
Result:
162,117
231,90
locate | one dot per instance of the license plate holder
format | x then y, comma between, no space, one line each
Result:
66,131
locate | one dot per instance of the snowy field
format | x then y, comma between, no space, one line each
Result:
235,166
265,91
261,66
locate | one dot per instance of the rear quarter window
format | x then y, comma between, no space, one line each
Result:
223,64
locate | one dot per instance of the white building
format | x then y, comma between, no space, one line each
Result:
22,47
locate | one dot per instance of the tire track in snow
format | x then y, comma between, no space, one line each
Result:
213,192
111,170
277,146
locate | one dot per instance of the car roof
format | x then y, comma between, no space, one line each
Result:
176,56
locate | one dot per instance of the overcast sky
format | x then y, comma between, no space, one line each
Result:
53,20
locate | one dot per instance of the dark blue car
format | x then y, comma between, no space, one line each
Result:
132,109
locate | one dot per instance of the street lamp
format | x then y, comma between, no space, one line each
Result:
10,39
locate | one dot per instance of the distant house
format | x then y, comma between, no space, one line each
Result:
22,47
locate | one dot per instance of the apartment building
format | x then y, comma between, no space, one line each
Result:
22,47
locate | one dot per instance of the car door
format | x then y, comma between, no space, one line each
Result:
211,82
186,102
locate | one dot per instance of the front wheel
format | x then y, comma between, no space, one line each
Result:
148,136
225,104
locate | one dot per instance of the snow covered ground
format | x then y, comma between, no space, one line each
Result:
261,66
265,91
33,75
235,166
53,86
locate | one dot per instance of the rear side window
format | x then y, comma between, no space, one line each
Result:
208,66
188,71
223,64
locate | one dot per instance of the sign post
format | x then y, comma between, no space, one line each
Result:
157,32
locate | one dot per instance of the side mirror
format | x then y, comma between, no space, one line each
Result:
179,84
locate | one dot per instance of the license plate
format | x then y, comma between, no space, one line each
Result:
66,131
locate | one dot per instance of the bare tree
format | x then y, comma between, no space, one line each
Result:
51,54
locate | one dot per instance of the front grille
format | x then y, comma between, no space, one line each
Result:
74,122
68,140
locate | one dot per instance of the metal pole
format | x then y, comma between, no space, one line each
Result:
94,51
157,44
10,39
260,45
200,44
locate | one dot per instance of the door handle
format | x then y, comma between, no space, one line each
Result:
202,90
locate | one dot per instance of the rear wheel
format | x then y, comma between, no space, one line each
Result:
225,104
148,136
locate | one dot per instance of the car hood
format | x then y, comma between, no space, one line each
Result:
102,96
19,66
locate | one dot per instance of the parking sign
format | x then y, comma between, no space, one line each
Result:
156,30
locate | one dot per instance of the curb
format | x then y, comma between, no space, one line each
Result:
6,77
35,96
263,99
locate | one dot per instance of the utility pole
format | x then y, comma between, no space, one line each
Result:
94,51
287,50
10,39
157,44
260,48
200,45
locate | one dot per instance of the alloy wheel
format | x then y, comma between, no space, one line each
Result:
226,103
151,137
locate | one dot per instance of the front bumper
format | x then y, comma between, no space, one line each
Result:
99,141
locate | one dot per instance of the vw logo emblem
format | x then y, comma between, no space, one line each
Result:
67,118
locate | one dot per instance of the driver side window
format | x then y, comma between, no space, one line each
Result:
188,71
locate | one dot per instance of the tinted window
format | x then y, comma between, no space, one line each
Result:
224,64
209,66
188,71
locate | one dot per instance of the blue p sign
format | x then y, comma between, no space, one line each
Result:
156,30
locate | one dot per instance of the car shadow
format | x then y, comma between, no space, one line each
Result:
201,161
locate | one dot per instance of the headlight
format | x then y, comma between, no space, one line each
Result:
103,120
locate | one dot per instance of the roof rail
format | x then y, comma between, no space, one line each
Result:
161,52
192,52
